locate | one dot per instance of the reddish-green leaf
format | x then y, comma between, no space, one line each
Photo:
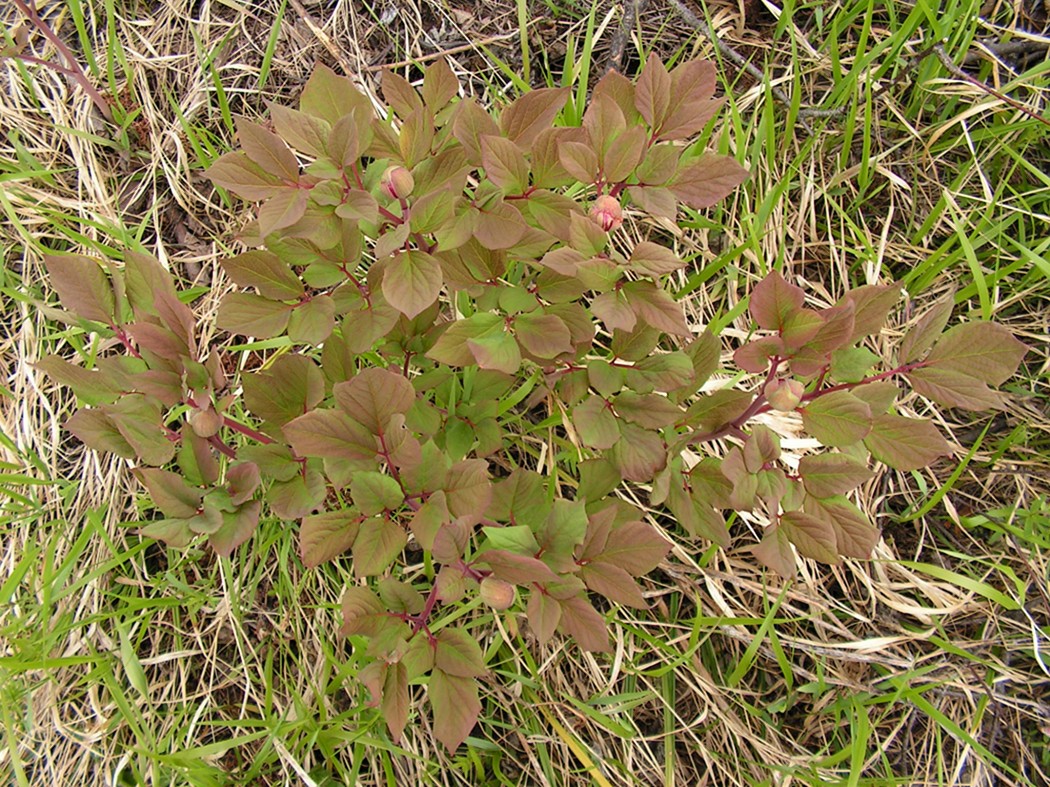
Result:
691,106
634,546
650,411
412,281
504,164
97,431
707,181
596,424
496,349
954,389
82,286
265,271
456,707
282,210
140,420
855,536
239,174
440,85
872,304
374,492
531,114
774,300
394,705
813,536
378,542
656,307
984,350
837,419
331,434
330,96
542,335
905,443
582,622
614,583
237,527
170,492
360,609
652,259
543,613
515,568
400,94
292,386
774,551
923,334
825,475
652,96
267,150
303,132
252,315
373,396
323,537
468,489
614,310
459,654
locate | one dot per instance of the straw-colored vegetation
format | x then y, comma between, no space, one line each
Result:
126,663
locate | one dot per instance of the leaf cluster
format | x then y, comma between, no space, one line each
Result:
433,278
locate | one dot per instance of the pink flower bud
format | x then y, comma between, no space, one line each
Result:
607,212
497,593
397,182
784,395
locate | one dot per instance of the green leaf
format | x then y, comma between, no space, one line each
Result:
451,347
429,519
323,537
813,536
512,538
378,542
905,443
837,419
826,475
456,707
297,497
852,365
520,499
562,532
82,286
374,492
412,281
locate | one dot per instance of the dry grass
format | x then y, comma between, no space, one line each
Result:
127,663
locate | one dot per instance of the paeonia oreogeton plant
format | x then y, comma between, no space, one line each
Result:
458,351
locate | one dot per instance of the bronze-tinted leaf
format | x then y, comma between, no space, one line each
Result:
826,475
456,707
468,488
582,622
542,335
774,551
378,542
440,85
293,385
905,443
412,281
265,271
282,210
773,300
614,583
399,94
303,132
925,332
237,527
855,536
330,97
82,286
813,536
985,350
253,315
267,150
330,434
950,388
526,117
652,96
652,259
656,307
543,613
236,172
504,164
872,304
373,396
170,492
708,180
97,431
837,419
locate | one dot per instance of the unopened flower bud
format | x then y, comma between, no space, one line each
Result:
397,182
607,212
784,395
497,593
